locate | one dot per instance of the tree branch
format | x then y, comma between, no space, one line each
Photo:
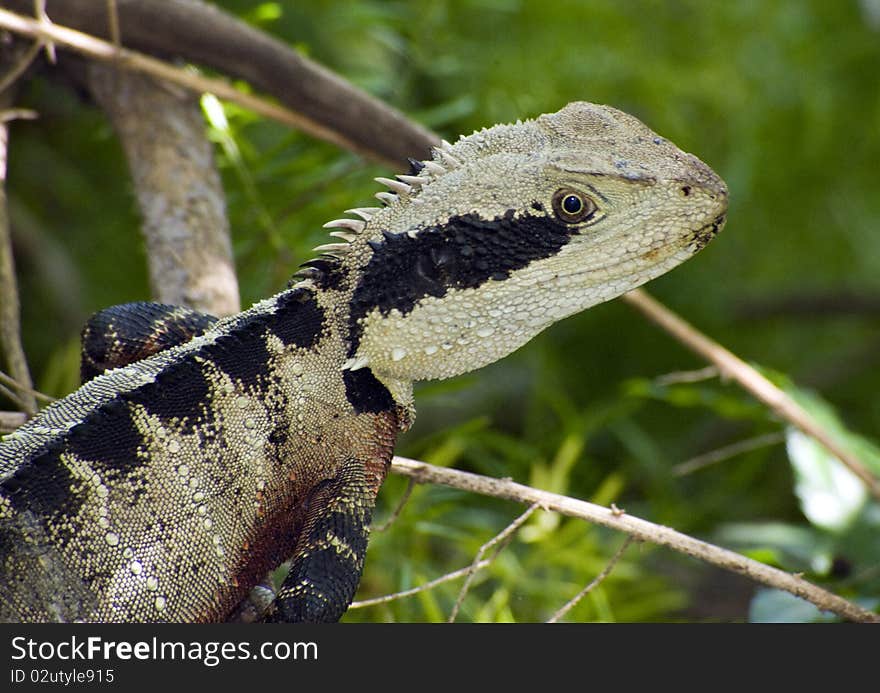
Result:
329,108
594,583
502,539
178,188
640,530
318,101
454,575
726,452
11,348
10,420
735,368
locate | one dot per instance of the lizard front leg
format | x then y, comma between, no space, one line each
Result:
330,551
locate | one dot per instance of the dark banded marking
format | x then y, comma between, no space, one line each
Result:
108,438
325,602
123,334
242,353
180,391
298,320
463,253
43,487
365,393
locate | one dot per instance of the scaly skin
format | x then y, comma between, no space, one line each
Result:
167,488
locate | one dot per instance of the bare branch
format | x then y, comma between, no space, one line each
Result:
113,23
11,348
22,64
318,102
13,397
696,376
43,18
733,367
178,188
10,420
606,571
16,386
726,452
411,484
454,575
640,530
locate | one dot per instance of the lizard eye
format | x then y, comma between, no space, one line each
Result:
572,206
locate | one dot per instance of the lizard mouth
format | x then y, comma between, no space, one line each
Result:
656,261
704,234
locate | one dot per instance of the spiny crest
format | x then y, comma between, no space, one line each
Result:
446,157
347,229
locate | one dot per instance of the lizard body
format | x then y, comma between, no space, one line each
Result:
165,489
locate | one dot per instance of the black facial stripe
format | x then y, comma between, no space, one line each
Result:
463,253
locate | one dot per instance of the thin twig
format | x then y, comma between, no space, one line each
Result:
113,24
695,376
454,575
12,396
411,484
10,114
641,530
7,379
10,420
102,50
565,608
21,65
502,539
735,368
726,452
11,349
43,18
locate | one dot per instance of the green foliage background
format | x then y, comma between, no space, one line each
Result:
782,98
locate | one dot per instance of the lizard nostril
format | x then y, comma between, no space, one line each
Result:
685,190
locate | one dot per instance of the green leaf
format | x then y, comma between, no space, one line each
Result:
831,496
777,543
727,402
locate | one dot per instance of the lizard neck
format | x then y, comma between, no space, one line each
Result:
367,389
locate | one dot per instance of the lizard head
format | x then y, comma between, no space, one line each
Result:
516,227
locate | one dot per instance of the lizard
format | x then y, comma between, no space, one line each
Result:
168,486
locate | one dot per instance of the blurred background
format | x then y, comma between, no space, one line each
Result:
781,98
